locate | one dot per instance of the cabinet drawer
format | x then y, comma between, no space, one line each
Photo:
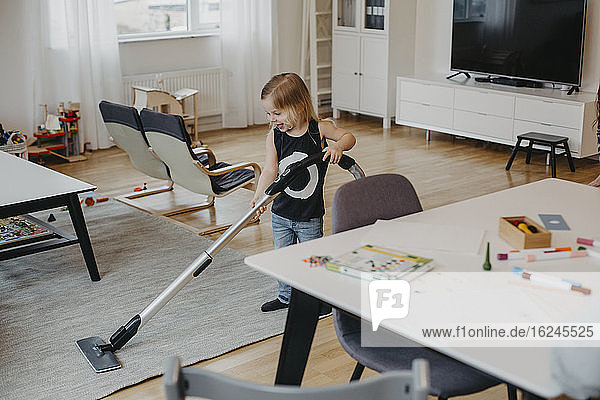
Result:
426,114
483,124
427,94
574,135
484,102
549,112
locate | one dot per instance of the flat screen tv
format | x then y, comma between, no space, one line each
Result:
538,40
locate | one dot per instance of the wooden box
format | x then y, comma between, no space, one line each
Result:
522,240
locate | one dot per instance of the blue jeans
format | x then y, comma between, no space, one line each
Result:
287,232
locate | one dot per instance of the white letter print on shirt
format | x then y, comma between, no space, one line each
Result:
309,189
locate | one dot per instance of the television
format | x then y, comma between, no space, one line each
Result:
530,40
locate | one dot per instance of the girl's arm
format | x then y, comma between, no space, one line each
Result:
269,172
343,140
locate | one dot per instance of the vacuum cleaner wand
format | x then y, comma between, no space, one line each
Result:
101,356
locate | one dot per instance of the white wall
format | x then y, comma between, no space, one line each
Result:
16,69
169,55
434,39
289,26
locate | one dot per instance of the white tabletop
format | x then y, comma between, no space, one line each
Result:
26,181
458,290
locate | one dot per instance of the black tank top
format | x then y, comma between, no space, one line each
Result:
303,199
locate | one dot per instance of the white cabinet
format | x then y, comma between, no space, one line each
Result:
496,113
363,63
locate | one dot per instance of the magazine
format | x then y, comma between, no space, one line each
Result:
375,262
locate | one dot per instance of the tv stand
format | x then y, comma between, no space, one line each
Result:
496,113
458,73
573,89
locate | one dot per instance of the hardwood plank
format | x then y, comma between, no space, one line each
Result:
443,171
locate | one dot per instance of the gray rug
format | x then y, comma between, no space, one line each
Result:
48,302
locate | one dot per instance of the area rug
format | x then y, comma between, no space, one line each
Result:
48,302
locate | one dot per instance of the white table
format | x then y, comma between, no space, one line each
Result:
29,187
445,295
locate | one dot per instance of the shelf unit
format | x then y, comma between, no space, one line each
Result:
319,48
373,41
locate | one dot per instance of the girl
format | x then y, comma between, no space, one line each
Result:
296,133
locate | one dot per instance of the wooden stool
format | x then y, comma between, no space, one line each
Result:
543,139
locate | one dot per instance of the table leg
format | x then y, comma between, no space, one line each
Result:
300,327
82,235
569,158
553,160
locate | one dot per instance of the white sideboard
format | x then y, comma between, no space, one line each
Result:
366,60
495,113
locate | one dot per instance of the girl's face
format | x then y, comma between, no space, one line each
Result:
275,116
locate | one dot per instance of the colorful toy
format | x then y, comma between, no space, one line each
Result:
90,201
317,261
139,189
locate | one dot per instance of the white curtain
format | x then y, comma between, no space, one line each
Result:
76,58
248,40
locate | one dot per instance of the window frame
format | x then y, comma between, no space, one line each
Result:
195,29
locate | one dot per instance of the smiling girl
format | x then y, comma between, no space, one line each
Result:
296,133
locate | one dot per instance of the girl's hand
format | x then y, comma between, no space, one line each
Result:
260,210
334,152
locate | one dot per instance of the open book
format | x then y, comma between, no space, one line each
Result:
374,262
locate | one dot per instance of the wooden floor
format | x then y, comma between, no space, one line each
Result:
443,170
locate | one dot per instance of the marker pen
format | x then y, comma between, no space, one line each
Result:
550,281
555,255
588,242
520,254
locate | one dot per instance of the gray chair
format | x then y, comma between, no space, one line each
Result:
179,382
170,141
362,202
126,131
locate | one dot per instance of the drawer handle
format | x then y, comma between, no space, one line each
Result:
480,113
425,104
545,124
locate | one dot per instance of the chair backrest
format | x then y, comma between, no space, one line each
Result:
397,385
125,128
170,141
364,201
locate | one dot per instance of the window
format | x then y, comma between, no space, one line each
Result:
149,19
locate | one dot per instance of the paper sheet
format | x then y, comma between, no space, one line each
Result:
411,235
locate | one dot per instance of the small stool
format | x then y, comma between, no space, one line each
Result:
544,139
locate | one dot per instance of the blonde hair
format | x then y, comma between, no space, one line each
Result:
289,94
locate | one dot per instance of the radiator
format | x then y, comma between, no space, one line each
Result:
205,80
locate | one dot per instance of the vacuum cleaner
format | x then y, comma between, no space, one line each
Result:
101,355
